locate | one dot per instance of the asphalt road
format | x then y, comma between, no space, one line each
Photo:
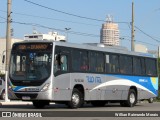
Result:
110,110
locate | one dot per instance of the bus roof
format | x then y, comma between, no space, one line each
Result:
112,49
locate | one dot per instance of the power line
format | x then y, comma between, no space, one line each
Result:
147,34
123,38
63,11
49,18
74,15
71,32
2,17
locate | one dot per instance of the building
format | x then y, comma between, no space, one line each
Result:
3,50
50,36
141,48
109,34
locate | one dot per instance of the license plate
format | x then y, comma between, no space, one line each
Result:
26,98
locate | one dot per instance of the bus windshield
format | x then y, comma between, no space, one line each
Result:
30,61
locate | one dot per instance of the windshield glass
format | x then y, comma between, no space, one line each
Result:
31,61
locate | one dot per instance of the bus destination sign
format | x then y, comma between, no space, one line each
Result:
32,46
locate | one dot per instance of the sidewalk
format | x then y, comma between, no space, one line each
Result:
15,103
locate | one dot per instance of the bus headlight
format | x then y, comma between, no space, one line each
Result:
45,87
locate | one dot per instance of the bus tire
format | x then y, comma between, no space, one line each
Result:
77,99
150,100
132,99
3,95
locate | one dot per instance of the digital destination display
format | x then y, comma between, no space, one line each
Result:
33,46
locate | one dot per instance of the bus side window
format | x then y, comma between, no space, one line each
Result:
60,63
57,63
63,63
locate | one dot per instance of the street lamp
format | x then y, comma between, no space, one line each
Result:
67,29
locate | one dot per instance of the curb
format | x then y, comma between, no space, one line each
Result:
15,103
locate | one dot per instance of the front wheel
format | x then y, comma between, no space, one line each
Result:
3,95
77,99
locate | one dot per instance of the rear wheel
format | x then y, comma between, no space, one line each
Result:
150,100
77,99
131,101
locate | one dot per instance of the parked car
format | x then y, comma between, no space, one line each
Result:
2,89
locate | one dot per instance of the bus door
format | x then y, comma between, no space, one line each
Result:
61,73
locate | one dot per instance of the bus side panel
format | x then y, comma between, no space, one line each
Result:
61,87
96,87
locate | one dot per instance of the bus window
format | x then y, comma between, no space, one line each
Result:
79,60
100,62
76,60
125,64
64,66
151,67
84,61
137,69
112,63
93,61
60,63
143,66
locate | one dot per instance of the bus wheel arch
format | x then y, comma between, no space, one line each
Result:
80,88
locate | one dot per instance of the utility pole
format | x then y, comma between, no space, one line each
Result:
8,45
132,33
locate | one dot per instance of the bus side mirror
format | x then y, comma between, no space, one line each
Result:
3,59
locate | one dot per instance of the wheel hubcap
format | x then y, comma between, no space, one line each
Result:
75,99
132,98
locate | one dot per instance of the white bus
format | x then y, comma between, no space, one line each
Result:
61,72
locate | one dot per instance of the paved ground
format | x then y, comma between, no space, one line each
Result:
87,109
20,105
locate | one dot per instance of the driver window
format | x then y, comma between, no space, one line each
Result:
60,63
64,63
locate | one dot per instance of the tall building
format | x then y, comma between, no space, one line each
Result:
109,34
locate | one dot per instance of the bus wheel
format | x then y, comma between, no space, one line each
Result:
40,104
3,95
77,99
132,98
98,103
150,100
